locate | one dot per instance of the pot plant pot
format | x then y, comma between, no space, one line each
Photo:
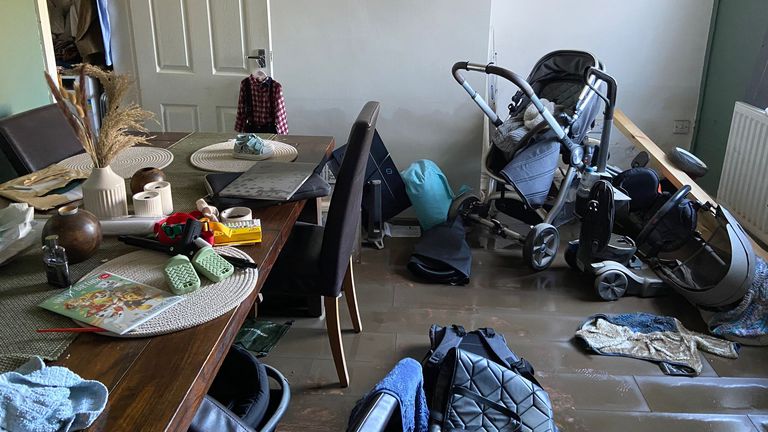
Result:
79,232
104,194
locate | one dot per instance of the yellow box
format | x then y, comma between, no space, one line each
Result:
235,233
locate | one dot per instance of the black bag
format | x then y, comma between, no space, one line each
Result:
473,380
443,255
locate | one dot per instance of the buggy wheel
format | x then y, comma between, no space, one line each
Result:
571,256
462,205
541,246
611,285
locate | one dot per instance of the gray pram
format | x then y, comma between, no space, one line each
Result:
525,152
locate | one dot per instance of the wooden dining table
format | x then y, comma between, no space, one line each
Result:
157,383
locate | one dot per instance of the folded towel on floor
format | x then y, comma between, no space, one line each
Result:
37,398
406,383
747,323
659,339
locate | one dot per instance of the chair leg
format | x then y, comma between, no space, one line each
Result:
348,285
334,336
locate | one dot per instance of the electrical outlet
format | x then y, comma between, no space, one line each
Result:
682,127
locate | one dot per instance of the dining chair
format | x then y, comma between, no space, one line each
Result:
34,139
316,260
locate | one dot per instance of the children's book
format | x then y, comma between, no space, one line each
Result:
111,302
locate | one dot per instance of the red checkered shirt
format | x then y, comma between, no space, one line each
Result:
268,106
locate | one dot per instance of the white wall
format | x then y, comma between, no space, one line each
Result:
333,56
654,48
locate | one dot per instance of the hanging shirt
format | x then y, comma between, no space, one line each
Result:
264,110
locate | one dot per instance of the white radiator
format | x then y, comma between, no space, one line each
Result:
744,180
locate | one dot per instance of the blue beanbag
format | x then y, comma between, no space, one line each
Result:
429,191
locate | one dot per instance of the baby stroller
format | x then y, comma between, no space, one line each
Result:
523,158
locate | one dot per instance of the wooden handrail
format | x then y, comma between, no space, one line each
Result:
667,169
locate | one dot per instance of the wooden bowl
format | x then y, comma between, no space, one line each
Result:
144,176
79,232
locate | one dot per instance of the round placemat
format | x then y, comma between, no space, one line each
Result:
218,157
209,302
127,161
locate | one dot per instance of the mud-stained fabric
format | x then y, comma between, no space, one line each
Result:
659,339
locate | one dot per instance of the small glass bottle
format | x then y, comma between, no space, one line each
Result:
56,265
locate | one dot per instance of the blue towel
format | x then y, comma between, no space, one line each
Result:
36,398
406,383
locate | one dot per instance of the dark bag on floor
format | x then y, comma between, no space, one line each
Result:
474,381
443,255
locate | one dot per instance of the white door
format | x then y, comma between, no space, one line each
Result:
191,56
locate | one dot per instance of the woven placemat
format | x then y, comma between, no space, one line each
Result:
209,302
22,288
218,157
127,161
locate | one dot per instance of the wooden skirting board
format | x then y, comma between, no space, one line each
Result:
665,167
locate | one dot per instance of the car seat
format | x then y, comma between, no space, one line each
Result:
648,195
240,398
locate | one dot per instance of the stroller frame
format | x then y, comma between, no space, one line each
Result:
541,243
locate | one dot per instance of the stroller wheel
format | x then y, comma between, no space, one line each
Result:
571,252
611,285
541,246
462,205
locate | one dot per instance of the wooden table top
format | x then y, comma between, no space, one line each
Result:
157,383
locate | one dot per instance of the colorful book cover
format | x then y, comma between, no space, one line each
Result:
111,302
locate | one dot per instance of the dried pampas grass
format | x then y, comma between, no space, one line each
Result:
118,121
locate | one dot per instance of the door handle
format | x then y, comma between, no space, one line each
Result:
261,57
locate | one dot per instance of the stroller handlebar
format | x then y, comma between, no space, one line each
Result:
490,69
526,88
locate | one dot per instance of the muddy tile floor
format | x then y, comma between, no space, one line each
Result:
538,313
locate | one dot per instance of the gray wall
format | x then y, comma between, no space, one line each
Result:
333,56
654,48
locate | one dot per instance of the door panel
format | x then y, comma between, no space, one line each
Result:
226,118
170,37
180,118
191,56
227,37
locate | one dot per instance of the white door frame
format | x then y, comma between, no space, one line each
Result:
44,26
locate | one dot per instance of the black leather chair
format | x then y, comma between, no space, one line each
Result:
316,260
34,139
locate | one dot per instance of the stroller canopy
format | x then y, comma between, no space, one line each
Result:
559,77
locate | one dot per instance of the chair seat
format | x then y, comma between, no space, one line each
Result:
297,270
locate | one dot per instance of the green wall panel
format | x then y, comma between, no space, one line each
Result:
739,28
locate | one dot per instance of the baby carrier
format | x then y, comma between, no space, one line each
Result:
549,119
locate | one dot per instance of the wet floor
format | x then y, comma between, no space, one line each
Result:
538,313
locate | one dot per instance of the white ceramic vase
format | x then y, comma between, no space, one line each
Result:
104,194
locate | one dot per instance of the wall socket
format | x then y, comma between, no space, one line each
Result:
682,127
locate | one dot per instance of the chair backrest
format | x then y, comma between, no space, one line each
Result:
34,139
344,213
